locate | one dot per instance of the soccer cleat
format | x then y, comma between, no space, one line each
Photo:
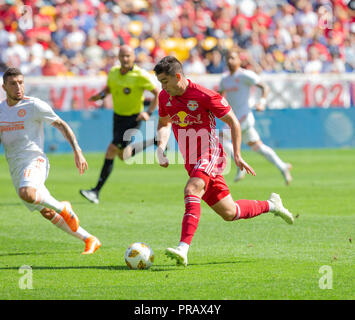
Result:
91,245
240,175
280,210
70,217
178,255
91,195
287,174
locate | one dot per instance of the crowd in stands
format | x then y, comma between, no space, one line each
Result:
82,37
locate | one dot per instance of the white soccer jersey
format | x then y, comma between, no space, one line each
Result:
237,88
21,130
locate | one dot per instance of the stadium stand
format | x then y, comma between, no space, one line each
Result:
67,37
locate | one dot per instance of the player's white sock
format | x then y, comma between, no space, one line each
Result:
271,206
59,222
183,246
271,155
49,202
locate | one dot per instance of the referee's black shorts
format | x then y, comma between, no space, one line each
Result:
123,129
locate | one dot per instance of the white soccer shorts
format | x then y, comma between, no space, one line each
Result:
32,174
249,133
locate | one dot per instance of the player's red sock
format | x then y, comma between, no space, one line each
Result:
247,209
191,218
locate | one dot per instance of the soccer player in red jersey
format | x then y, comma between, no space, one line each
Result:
190,110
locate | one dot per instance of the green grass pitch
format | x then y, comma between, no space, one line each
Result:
260,258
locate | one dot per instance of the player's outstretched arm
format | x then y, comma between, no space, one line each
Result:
231,120
261,105
145,115
69,135
163,134
101,95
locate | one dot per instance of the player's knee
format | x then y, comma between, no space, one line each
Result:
228,215
189,190
111,151
27,194
255,146
193,188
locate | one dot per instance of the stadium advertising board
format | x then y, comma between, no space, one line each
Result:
286,90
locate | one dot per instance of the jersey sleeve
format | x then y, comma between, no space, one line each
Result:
218,105
251,78
44,112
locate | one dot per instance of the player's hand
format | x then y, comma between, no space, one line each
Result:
243,165
163,160
143,116
80,162
94,98
261,106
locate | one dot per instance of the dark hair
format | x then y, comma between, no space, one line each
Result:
168,65
11,72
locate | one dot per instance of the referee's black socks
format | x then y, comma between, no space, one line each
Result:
105,172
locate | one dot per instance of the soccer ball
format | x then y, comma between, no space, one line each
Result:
139,256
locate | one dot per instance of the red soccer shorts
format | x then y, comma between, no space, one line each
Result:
215,187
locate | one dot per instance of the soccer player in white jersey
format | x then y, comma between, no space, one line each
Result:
21,133
236,87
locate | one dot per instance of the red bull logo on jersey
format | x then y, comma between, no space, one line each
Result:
184,119
192,105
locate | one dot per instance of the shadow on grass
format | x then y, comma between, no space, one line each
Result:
28,253
221,262
71,268
122,268
155,268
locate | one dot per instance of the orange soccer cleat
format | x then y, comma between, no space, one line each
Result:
91,245
70,217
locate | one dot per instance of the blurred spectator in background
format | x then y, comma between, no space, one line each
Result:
306,17
255,48
349,53
217,63
335,64
9,15
67,50
75,37
93,52
4,36
194,64
314,63
32,67
53,66
14,54
277,34
83,19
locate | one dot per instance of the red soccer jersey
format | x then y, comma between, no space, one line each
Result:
193,121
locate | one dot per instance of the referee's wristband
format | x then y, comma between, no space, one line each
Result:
102,95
